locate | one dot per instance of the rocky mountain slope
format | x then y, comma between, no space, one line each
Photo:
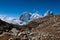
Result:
5,27
46,28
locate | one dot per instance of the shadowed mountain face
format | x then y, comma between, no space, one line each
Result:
46,28
25,17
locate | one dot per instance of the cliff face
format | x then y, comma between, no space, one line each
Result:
46,28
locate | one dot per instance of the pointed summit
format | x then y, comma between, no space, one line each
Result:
48,13
25,16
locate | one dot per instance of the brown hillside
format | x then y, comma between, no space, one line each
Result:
46,28
49,26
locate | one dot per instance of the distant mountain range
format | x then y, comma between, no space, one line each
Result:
30,26
25,17
45,28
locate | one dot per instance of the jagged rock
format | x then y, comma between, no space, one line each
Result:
14,31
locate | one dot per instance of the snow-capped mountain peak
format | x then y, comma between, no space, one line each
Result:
35,16
48,13
25,16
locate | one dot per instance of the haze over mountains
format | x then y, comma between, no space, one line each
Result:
25,17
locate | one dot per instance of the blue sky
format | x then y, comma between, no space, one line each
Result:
14,8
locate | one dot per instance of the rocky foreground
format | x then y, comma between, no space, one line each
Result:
46,28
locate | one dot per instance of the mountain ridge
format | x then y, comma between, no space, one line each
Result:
46,28
25,17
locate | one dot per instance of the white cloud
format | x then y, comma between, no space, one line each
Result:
2,17
18,21
11,20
